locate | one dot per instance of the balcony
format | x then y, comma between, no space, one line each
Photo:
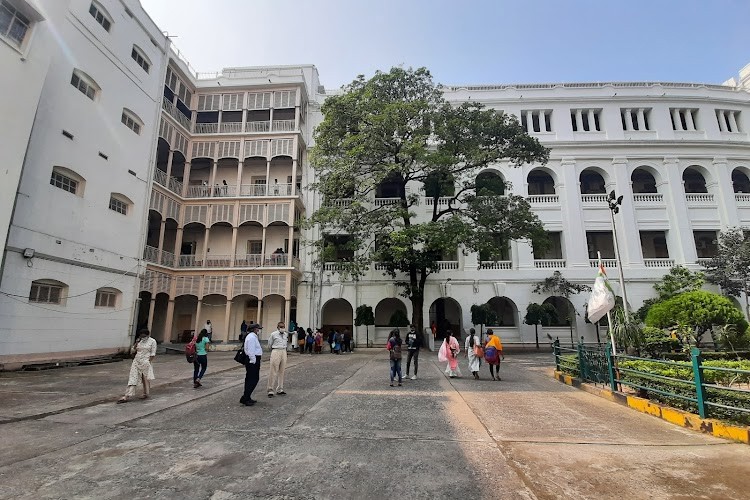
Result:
175,113
543,199
381,202
594,199
699,198
253,127
206,128
648,198
283,126
230,127
167,259
160,177
664,263
605,262
218,260
443,201
447,265
495,264
742,199
339,202
151,254
549,263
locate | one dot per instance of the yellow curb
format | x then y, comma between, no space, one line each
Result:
672,415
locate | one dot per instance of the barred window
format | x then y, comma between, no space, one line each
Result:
63,182
98,13
140,58
45,293
13,24
85,85
106,298
118,206
131,121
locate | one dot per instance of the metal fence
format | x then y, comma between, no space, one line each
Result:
698,385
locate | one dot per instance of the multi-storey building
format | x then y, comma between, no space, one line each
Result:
679,154
87,76
223,243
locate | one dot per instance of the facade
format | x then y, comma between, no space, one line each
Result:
679,154
72,258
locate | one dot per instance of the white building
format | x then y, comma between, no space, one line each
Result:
95,73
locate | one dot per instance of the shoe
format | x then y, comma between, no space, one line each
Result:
126,400
145,396
198,383
281,393
270,394
391,386
242,400
399,384
414,377
249,403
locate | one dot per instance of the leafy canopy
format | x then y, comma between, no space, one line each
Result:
483,315
558,285
730,269
364,315
540,314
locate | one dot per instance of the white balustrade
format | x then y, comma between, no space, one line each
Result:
333,266
495,264
249,260
447,265
594,198
175,186
218,260
540,199
658,263
167,258
189,261
379,202
253,190
206,128
283,126
151,254
699,197
340,202
648,198
441,202
175,113
549,263
277,260
198,191
605,262
742,198
160,176
222,191
230,127
280,190
380,266
257,126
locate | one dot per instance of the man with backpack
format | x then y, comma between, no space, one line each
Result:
413,343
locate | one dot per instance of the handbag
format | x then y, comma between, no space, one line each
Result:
241,357
478,351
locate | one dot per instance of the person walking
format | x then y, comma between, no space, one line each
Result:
318,348
413,344
252,369
243,330
331,338
336,342
201,358
277,343
448,353
473,346
493,351
394,348
301,339
209,328
141,369
309,341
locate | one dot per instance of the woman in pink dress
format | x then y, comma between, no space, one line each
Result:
448,353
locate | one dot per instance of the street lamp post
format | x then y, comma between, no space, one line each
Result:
614,203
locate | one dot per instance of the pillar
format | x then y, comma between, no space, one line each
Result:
689,120
592,121
293,190
268,175
680,235
529,122
205,245
579,120
628,236
234,246
212,182
178,242
263,247
186,180
169,322
676,119
287,311
629,120
151,307
225,336
162,228
641,120
260,311
576,255
732,121
291,245
542,121
169,164
724,194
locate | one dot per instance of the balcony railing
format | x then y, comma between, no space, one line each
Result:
253,190
447,265
151,254
699,197
658,262
594,198
495,264
549,263
175,113
277,260
189,261
543,199
231,127
249,260
279,189
160,176
167,258
339,202
441,202
257,127
206,128
742,198
379,202
605,262
333,266
218,260
283,126
648,198
175,186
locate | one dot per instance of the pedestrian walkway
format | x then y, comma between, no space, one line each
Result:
342,432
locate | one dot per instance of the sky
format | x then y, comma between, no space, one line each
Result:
468,41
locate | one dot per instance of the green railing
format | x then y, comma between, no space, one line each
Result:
697,386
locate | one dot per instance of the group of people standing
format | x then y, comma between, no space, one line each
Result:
490,351
394,346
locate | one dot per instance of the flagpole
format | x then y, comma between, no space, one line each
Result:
609,314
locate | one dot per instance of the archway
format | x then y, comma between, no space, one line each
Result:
643,181
565,310
244,307
740,181
446,313
694,181
490,184
540,182
143,308
592,182
183,326
337,314
506,311
159,321
390,309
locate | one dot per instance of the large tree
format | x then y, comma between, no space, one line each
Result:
730,269
397,130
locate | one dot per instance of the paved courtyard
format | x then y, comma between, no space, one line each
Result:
342,432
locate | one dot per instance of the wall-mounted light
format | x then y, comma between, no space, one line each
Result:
28,253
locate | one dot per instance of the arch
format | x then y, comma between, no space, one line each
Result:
68,180
541,181
337,313
740,180
694,179
565,310
48,291
490,183
506,310
140,58
438,184
392,186
84,83
446,312
162,153
145,300
159,321
101,15
120,203
154,226
107,297
183,324
131,120
385,310
592,180
643,181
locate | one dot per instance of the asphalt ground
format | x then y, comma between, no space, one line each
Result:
342,432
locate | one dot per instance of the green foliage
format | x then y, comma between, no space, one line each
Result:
686,386
569,364
364,316
694,313
657,341
557,284
540,314
398,318
396,129
628,331
730,269
731,338
483,315
678,280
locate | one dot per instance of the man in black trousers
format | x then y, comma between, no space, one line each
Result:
252,368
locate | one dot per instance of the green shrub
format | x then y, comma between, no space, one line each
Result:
657,341
398,318
569,364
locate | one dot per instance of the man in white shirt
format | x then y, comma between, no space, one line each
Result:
209,328
252,369
277,343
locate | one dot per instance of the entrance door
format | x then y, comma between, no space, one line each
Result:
184,326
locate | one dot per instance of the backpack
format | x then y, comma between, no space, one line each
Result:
395,350
190,351
491,355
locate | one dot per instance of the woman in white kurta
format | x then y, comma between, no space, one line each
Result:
141,370
474,361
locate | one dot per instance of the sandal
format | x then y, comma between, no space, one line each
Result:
122,400
145,396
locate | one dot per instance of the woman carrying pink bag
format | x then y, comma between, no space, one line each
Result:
448,353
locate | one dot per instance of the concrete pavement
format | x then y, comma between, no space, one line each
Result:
342,432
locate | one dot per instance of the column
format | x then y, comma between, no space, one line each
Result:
723,191
212,179
680,235
296,116
162,227
576,254
542,121
641,120
197,323
263,248
186,180
293,190
529,121
151,307
287,311
628,236
268,175
244,116
579,120
205,245
178,245
629,121
676,119
170,156
689,120
260,312
592,121
522,254
234,246
732,121
291,242
227,318
239,166
170,320
270,114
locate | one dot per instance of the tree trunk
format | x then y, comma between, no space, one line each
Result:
536,334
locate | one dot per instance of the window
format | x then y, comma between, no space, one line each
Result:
705,244
537,120
130,120
254,247
43,292
553,249
585,120
654,245
636,118
13,24
600,241
98,13
684,119
106,298
85,84
140,58
63,182
728,120
118,205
